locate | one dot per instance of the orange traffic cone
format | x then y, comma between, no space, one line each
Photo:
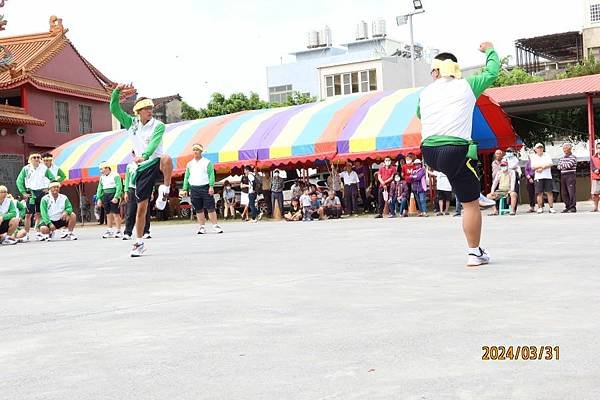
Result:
412,205
276,211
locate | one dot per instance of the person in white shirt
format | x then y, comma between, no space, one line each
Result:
199,180
57,212
350,178
110,189
444,192
32,183
541,163
8,218
252,187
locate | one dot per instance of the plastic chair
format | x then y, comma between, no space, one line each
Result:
504,208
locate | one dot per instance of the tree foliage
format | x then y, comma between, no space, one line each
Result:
219,104
588,66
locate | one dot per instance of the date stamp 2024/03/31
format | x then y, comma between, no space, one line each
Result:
502,353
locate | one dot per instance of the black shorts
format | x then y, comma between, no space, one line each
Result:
201,199
109,206
452,160
4,227
34,208
543,186
145,181
444,195
57,224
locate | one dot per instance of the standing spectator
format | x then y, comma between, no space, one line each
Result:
332,206
305,203
244,198
399,199
295,213
505,183
407,169
444,192
252,192
373,193
529,179
542,164
334,182
110,188
266,191
595,172
418,184
58,173
567,165
199,181
458,208
351,180
385,177
277,191
498,155
228,200
362,173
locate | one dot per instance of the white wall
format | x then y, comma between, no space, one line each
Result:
396,73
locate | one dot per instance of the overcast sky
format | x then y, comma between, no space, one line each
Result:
198,47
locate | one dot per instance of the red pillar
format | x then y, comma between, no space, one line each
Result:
591,129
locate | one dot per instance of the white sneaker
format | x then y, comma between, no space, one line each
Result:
108,235
9,241
137,250
126,237
71,236
118,235
163,195
64,234
260,216
217,229
474,260
485,203
146,236
552,210
43,238
539,210
253,221
202,230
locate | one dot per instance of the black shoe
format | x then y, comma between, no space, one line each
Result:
379,216
573,210
566,210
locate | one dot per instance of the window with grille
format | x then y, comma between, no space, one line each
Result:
595,13
279,94
61,114
85,119
351,82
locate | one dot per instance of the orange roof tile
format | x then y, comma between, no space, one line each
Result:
30,52
16,116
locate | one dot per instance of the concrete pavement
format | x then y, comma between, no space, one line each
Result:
349,309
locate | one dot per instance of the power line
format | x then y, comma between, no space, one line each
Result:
548,125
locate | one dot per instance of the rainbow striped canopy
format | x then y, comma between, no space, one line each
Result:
349,127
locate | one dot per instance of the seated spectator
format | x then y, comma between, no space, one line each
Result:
315,210
332,206
399,196
295,213
504,186
228,200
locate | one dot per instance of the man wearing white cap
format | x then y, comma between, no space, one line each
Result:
567,165
146,134
446,112
199,180
542,165
110,188
57,212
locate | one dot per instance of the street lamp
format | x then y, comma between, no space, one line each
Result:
402,20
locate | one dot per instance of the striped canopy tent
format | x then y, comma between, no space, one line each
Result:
350,127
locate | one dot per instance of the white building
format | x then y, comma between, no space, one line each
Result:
323,70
